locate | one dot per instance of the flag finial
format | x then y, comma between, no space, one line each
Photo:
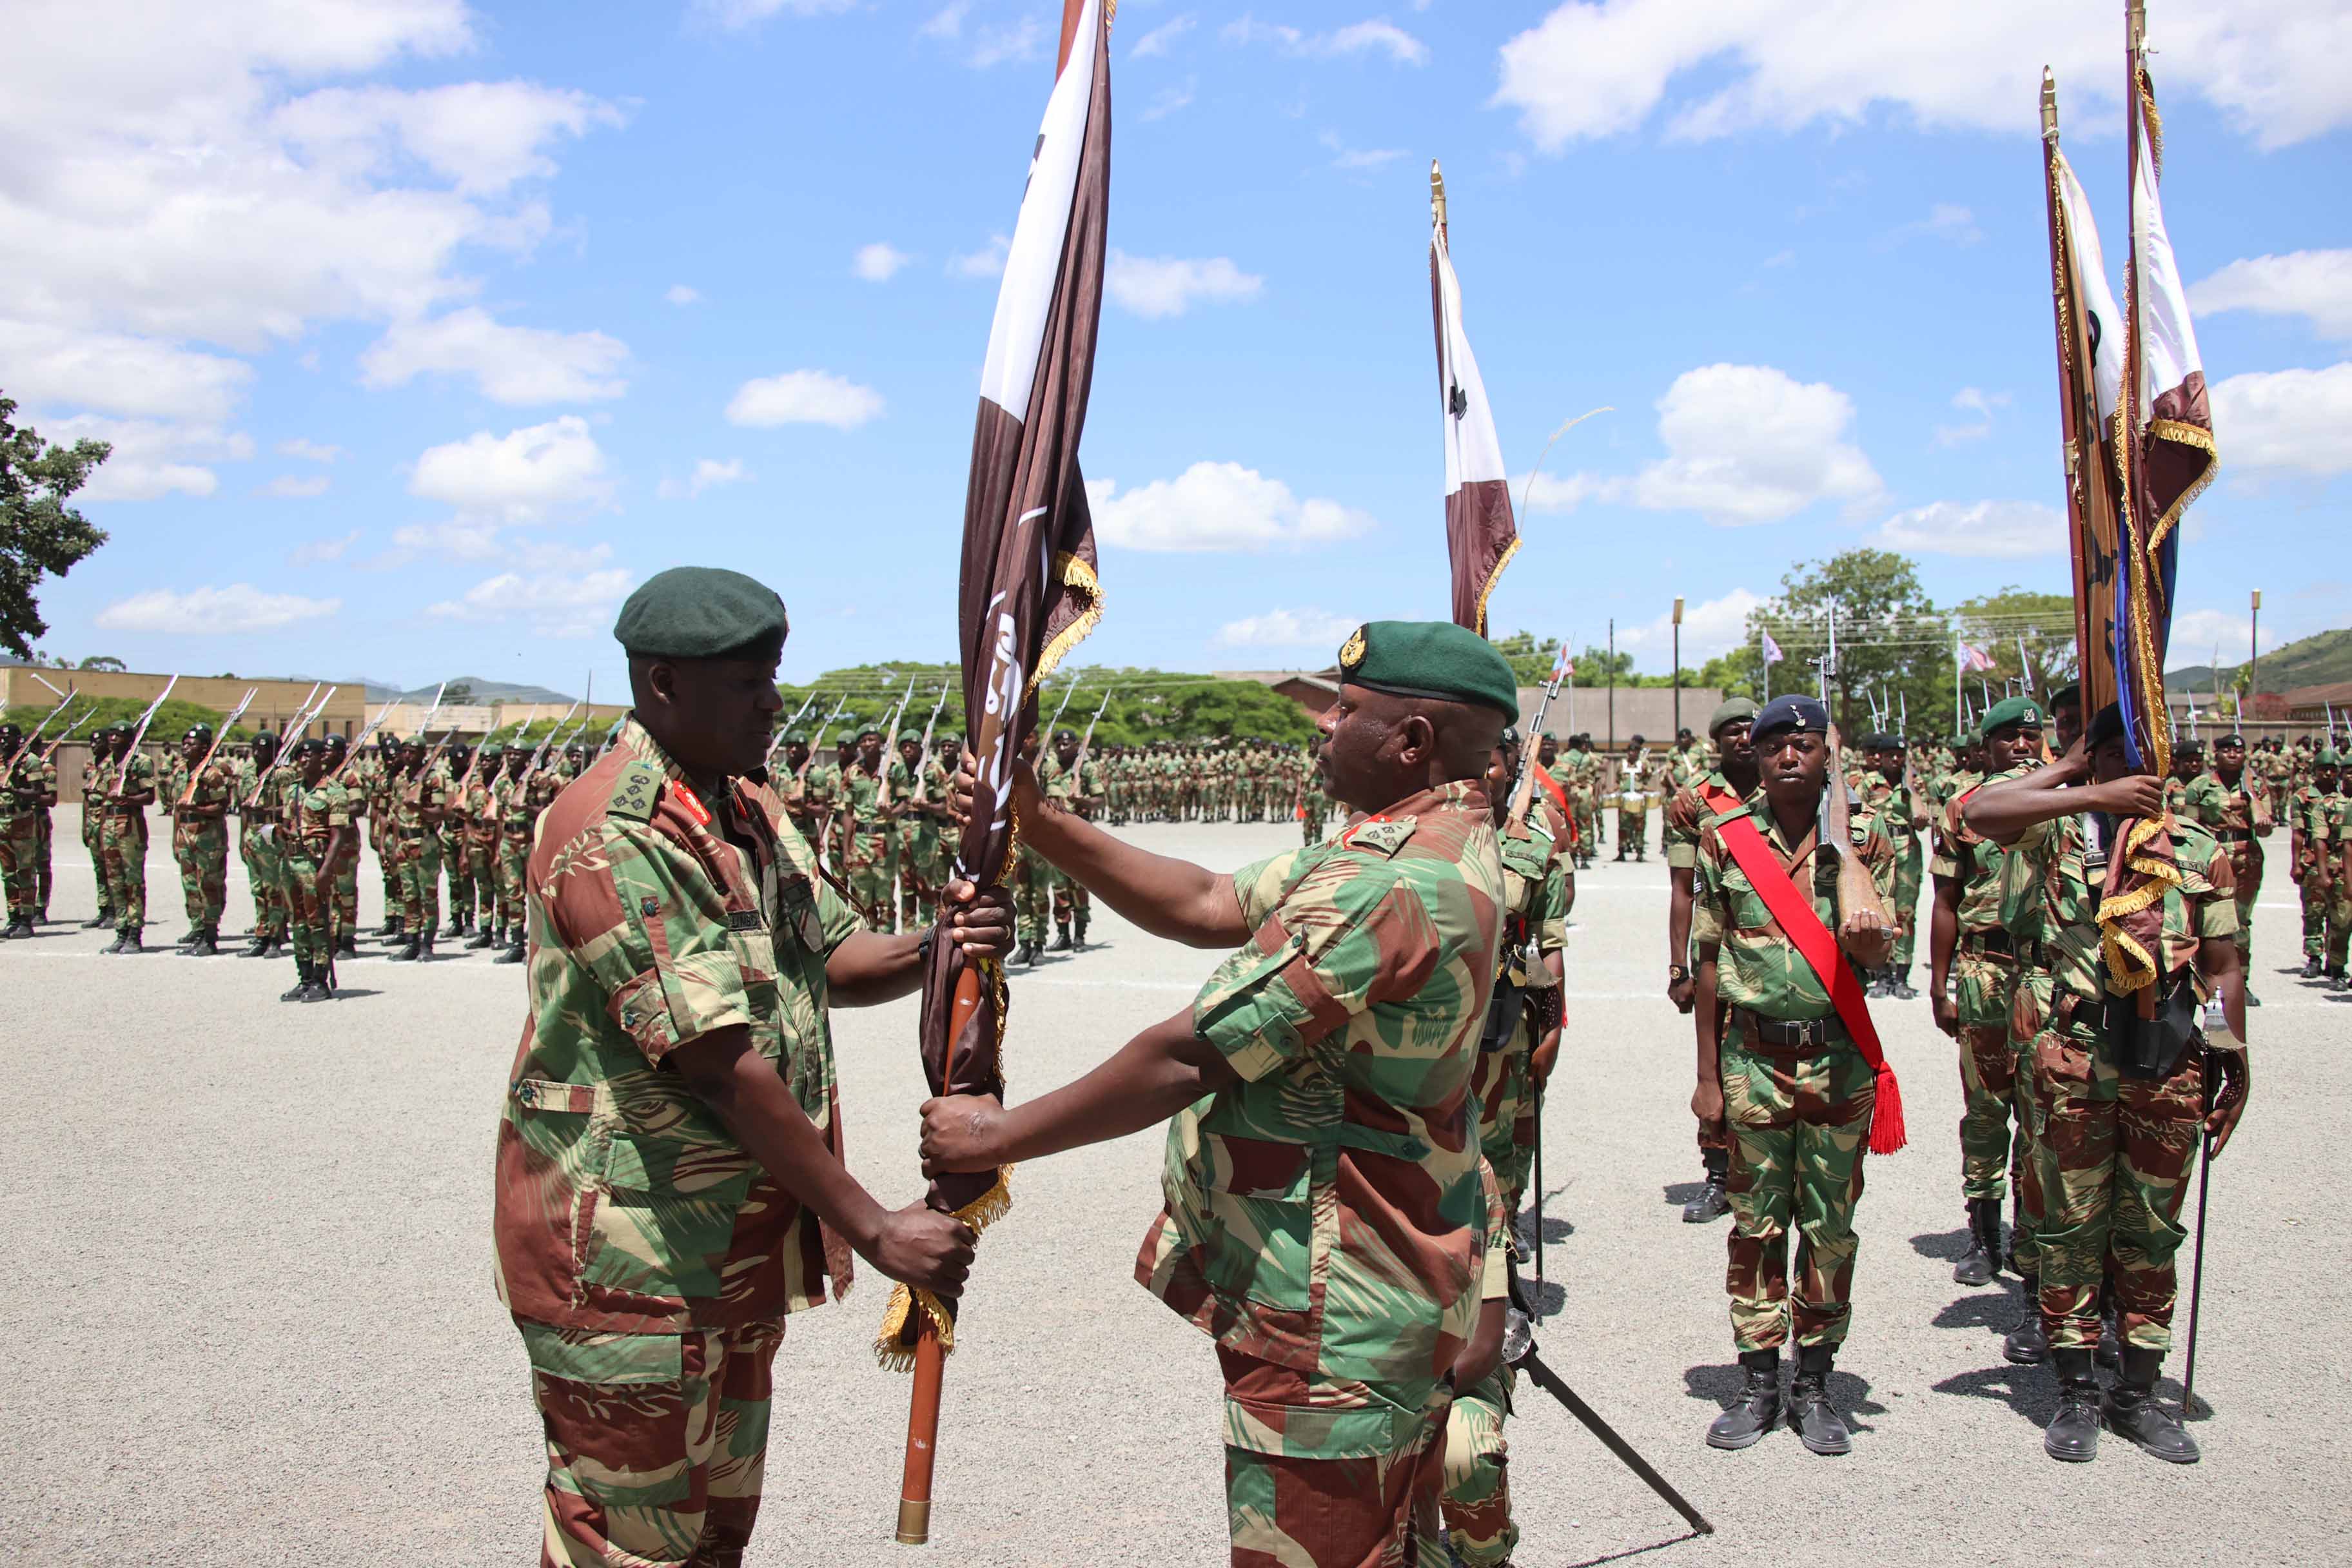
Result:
2048,106
2135,24
1436,194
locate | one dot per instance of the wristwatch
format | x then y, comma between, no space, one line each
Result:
1676,971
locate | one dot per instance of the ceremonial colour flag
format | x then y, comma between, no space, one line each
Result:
1972,658
1480,537
1028,592
1771,649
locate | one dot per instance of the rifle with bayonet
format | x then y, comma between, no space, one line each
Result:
188,796
130,753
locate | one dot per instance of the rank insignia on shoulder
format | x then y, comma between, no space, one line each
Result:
1380,835
635,791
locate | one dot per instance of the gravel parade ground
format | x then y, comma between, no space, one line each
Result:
250,1317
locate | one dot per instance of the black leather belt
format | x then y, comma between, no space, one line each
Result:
2000,944
1788,1034
2234,835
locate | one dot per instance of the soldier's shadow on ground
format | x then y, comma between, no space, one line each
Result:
1945,1247
1549,1301
1998,1310
1680,1193
1719,1386
2029,1391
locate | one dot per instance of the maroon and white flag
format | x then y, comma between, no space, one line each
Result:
1480,537
1028,591
2177,458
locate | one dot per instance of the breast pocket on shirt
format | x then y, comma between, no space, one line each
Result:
1749,912
1260,1193
666,1214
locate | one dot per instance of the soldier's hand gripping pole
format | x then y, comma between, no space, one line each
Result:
1550,1382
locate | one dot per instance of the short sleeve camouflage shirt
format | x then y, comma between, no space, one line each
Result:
623,1203
2051,889
1326,1213
1757,966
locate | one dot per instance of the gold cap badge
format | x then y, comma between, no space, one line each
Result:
1351,652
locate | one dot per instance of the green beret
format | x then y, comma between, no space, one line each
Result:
1732,710
494,748
1430,658
2328,758
796,738
700,612
2067,696
2011,710
904,736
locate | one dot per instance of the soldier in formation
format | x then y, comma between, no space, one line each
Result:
28,787
1635,779
2316,815
1074,781
2230,802
1894,808
126,788
1723,788
197,791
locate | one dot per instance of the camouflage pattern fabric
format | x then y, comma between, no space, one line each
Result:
508,805
2307,814
656,1444
914,842
1476,1491
1032,883
2336,905
94,783
1535,908
1070,900
201,847
123,845
2234,817
1799,1117
2114,1153
868,858
257,846
1351,1019
1895,811
414,795
23,782
313,818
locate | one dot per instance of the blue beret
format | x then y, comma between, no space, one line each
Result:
1790,713
700,612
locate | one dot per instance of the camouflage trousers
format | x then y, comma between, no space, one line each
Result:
1631,824
1033,885
347,892
420,882
1071,903
656,1444
1477,1498
201,850
2115,1153
1996,1087
1799,1128
921,870
482,871
310,925
1906,901
387,864
870,869
2326,920
44,851
122,845
514,865
261,856
1504,1082
20,866
2246,861
457,858
1311,824
1325,1474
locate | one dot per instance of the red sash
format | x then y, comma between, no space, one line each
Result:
1795,913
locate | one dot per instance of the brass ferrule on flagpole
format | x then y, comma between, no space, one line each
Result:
2048,106
2135,25
1437,196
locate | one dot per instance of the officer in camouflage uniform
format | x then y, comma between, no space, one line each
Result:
316,835
1972,978
199,804
1723,788
479,820
1896,810
512,807
1314,806
454,847
1322,1075
1076,786
870,858
381,775
2118,1133
669,1176
2233,807
28,787
420,801
122,840
2310,812
93,770
1794,1086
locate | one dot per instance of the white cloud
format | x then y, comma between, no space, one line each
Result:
206,611
297,487
2006,530
1946,221
1379,35
518,366
314,551
2196,634
1971,400
2315,284
1602,69
803,397
54,365
1711,627
520,477
1156,41
682,294
308,451
946,22
2287,419
1747,444
482,135
740,14
553,603
151,458
459,538
1287,628
986,262
1358,158
1556,492
709,474
1157,286
1168,99
878,262
1218,506
994,45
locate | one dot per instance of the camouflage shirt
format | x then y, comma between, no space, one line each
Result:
860,794
1757,966
314,816
1687,815
2050,891
2212,805
623,1203
1060,783
1327,1212
1965,856
25,781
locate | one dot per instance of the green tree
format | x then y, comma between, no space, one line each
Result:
1893,646
40,536
1595,665
1531,661
102,662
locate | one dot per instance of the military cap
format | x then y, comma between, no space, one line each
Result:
2067,696
2230,742
1637,740
310,745
1890,742
1792,713
864,730
2328,758
10,732
700,612
2107,725
1430,658
1683,735
796,738
1065,734
198,733
2191,747
1730,710
1510,738
1551,737
915,736
493,748
2011,710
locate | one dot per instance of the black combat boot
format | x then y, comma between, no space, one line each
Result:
1757,1410
1061,937
2110,1354
425,949
2073,1433
1898,985
2311,966
21,927
1080,940
258,947
1711,1203
479,940
204,946
456,925
1981,1263
320,989
2131,1410
1816,1420
104,919
2027,1345
391,926
409,953
2336,979
513,953
302,982
129,941
347,946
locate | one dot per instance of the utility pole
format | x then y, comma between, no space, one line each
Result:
1678,666
2254,657
1612,683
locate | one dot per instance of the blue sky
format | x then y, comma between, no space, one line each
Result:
425,331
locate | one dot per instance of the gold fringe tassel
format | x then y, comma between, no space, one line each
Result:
2130,966
1076,576
1495,576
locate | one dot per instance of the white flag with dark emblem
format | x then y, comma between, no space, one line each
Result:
1480,537
2103,323
2176,422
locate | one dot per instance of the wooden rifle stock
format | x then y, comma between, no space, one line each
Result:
1856,890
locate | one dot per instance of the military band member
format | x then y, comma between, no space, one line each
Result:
1634,783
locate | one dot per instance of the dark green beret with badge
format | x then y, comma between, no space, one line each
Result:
1731,711
1430,658
493,748
701,611
910,737
2011,710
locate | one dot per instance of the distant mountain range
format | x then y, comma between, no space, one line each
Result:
2320,660
483,690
